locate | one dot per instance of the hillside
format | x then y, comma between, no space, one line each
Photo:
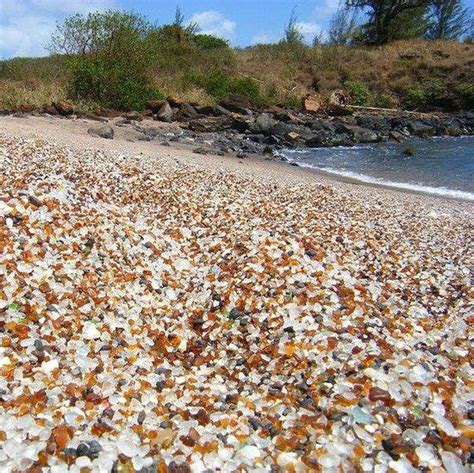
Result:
413,75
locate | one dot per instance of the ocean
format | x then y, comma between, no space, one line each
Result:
441,165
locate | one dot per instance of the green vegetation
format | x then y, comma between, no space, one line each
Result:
120,60
358,91
409,151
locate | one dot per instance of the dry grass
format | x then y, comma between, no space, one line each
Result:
283,74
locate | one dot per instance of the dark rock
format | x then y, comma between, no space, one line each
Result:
263,124
135,116
91,116
102,132
419,128
338,111
188,110
237,104
201,150
219,110
155,105
235,313
242,155
397,136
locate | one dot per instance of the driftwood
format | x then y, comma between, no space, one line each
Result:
392,110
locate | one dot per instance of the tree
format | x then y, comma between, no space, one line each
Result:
293,34
343,26
108,57
449,19
392,19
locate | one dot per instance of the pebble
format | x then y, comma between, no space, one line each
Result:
192,317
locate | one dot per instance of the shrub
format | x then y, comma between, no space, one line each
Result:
207,42
466,93
358,91
415,98
218,85
109,83
109,55
434,89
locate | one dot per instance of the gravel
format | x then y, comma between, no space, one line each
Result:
125,284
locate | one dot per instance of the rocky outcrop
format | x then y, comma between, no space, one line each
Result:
105,131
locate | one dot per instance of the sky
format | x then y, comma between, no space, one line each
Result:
26,25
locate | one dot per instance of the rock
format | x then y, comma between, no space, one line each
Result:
221,110
91,116
50,110
188,110
235,314
165,113
312,103
135,116
103,132
263,123
397,136
335,110
155,105
64,108
122,122
339,97
208,125
237,104
419,128
201,150
293,136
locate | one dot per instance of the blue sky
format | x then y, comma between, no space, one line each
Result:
25,25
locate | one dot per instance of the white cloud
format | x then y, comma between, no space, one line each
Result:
261,38
327,8
308,30
214,23
26,25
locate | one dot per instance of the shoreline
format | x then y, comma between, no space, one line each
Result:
68,131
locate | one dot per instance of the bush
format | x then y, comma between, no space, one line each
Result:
109,84
415,98
207,42
109,56
466,93
358,91
434,89
219,85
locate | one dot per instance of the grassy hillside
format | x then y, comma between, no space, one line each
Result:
418,75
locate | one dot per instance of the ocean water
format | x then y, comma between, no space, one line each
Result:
442,165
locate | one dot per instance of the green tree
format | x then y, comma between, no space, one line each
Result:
390,20
449,19
108,57
343,26
292,35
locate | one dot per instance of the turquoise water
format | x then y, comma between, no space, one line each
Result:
442,166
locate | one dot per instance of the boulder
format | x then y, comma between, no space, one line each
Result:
135,116
312,103
338,111
64,108
155,105
50,110
165,113
188,110
263,124
105,131
237,104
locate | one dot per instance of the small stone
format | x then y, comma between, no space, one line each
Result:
234,314
377,394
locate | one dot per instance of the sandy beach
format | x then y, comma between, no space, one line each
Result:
168,311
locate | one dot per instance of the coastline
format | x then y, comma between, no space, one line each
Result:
73,132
